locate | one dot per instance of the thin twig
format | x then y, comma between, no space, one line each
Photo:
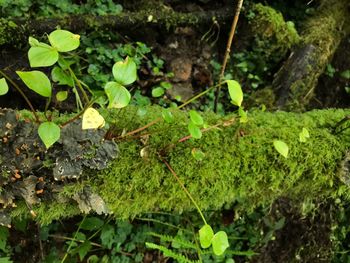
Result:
227,52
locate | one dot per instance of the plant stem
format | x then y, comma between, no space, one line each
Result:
227,52
74,238
79,84
22,94
185,190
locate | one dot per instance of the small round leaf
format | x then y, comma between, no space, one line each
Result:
196,118
206,234
49,133
36,81
157,92
220,243
198,154
167,116
194,130
62,95
281,147
118,95
4,88
42,56
64,40
125,72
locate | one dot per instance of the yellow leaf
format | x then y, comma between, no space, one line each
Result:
92,119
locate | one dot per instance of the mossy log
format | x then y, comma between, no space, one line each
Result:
241,168
17,31
297,79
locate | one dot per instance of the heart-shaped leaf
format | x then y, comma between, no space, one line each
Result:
118,95
196,118
220,243
49,133
281,147
4,88
42,56
235,91
92,119
206,234
64,40
125,72
36,81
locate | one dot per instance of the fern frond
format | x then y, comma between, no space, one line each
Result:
183,242
169,253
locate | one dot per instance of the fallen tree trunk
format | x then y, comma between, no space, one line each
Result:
240,168
296,81
17,31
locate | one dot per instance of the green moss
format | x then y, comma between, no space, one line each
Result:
241,168
274,35
7,28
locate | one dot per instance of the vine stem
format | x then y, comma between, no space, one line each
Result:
22,94
227,52
185,189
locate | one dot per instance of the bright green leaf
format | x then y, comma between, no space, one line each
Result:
36,81
166,85
281,147
62,95
220,243
167,116
198,154
194,130
206,234
42,56
196,118
125,72
4,88
235,91
49,133
157,92
33,42
243,114
91,223
303,135
64,40
118,95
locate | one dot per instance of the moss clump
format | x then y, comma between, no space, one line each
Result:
7,30
274,36
241,166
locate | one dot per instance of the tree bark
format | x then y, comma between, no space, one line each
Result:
241,167
296,81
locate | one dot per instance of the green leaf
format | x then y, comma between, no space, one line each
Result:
125,72
91,223
42,56
157,92
167,116
345,74
118,95
220,243
235,91
243,114
198,154
58,75
62,95
84,249
303,135
33,42
166,85
194,130
206,234
281,147
196,118
49,133
36,81
4,88
64,40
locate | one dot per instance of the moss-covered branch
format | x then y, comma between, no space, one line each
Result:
241,166
15,31
296,81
